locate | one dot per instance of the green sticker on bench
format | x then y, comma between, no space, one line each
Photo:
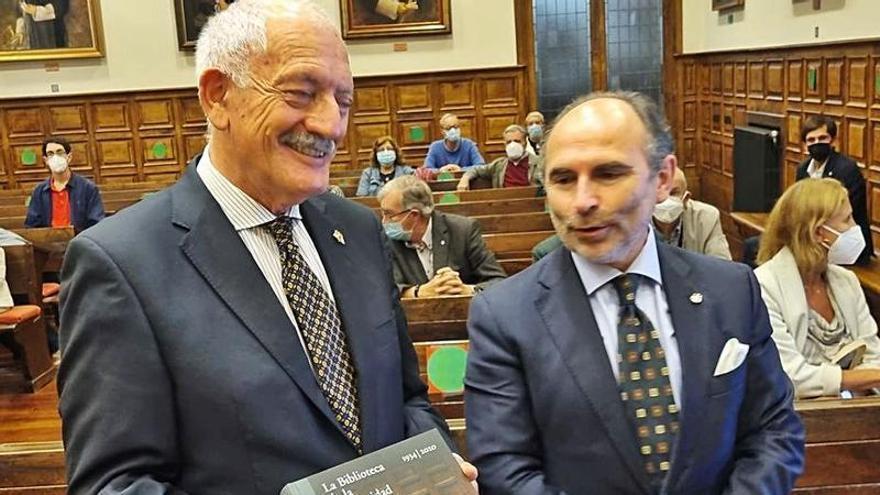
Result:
160,150
446,369
28,157
449,198
416,134
445,176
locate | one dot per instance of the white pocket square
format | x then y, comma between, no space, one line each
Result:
733,355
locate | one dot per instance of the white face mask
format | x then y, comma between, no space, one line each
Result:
57,164
845,250
669,210
514,150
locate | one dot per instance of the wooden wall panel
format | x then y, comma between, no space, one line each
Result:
151,135
840,80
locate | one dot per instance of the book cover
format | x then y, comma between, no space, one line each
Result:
420,465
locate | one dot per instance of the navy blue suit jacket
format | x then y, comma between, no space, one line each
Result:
183,374
86,208
544,414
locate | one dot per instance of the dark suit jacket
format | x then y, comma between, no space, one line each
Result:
544,414
844,169
86,207
457,242
182,372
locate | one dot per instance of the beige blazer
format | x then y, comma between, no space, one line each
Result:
701,230
783,292
498,168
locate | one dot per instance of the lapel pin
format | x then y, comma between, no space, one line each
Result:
339,237
696,298
443,242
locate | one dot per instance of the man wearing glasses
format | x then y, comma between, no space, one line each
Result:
65,198
434,253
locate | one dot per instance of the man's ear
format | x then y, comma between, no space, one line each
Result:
685,198
665,177
214,87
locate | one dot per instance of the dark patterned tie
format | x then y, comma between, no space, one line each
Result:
321,330
644,382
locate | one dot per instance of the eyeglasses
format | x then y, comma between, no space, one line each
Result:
387,215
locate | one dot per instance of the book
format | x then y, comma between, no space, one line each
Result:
850,355
420,465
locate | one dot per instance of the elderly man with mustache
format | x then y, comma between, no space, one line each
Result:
241,329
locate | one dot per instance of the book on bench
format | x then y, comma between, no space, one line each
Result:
851,355
418,465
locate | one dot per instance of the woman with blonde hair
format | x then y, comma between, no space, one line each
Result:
817,308
386,164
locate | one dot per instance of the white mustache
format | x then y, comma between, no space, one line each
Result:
309,143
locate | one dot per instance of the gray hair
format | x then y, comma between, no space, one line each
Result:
660,144
515,128
232,37
415,193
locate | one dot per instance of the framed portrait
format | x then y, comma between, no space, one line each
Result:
50,30
384,18
727,4
192,16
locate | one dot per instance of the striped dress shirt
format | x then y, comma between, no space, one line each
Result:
248,218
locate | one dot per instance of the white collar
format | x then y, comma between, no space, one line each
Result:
243,211
595,275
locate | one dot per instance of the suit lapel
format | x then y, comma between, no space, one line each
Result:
830,166
692,331
217,252
565,310
440,241
350,283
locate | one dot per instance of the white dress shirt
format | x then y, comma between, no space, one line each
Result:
248,218
816,169
650,298
426,251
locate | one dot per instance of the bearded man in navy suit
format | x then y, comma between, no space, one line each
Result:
618,364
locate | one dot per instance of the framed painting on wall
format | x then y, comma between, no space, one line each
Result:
192,16
50,30
727,4
384,18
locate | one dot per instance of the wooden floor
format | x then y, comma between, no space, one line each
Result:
30,417
31,453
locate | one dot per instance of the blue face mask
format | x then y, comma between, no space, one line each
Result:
453,134
536,132
386,157
396,232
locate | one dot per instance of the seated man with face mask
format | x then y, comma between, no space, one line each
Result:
518,167
690,224
434,253
65,198
535,128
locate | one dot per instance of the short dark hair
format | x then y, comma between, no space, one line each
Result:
814,122
660,135
57,140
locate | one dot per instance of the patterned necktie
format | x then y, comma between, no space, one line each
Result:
644,382
321,330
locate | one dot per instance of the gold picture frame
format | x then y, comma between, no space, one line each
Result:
391,18
50,30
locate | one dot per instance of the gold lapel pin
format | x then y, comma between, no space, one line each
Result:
696,298
339,237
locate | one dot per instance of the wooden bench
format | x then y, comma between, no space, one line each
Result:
437,318
29,366
466,196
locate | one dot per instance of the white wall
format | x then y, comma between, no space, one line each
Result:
772,23
141,50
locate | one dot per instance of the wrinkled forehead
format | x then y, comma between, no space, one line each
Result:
303,38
